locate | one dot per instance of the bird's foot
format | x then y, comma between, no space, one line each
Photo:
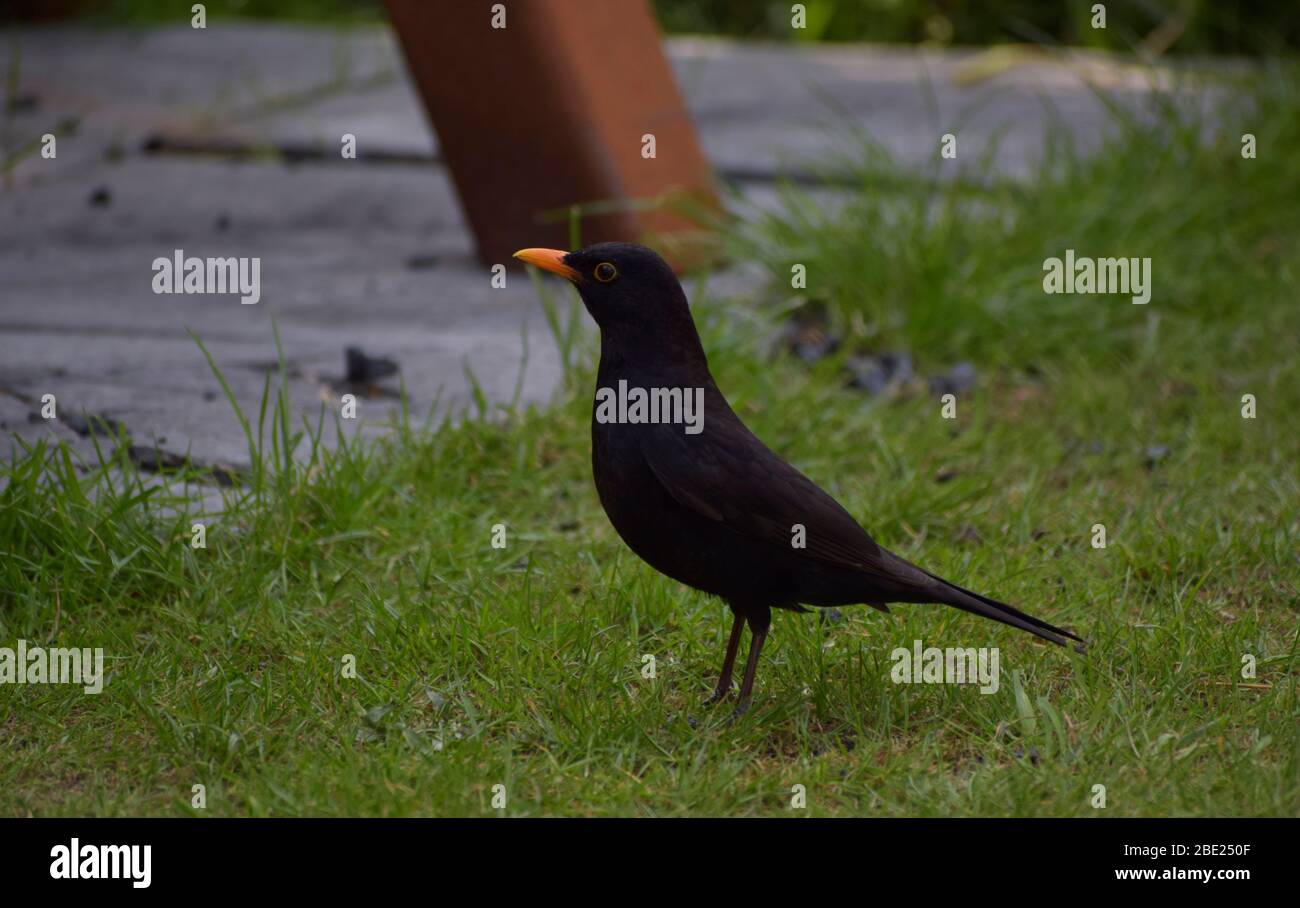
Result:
741,708
718,695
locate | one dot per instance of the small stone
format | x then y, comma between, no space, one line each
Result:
814,346
898,366
807,335
1153,455
957,380
866,373
880,373
363,369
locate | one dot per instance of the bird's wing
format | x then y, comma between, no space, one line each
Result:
727,475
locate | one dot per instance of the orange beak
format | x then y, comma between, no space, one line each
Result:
551,260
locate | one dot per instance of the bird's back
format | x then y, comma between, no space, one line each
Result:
720,511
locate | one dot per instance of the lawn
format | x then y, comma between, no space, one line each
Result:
523,666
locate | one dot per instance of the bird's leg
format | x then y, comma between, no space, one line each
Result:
724,680
747,685
758,625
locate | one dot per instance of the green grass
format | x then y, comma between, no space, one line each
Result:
522,666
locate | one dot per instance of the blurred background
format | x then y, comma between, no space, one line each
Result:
815,146
1200,27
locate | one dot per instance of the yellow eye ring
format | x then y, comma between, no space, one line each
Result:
605,272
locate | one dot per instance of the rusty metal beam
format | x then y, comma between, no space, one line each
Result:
550,111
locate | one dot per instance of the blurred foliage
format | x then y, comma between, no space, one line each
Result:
139,12
1186,26
1250,27
951,269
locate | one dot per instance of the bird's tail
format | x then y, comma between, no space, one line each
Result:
959,597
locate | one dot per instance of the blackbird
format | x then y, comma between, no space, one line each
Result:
699,497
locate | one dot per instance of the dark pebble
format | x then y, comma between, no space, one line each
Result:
957,380
877,374
363,369
867,374
1154,454
812,348
807,336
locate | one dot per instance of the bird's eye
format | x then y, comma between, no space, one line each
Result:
605,272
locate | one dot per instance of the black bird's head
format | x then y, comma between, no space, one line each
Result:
629,290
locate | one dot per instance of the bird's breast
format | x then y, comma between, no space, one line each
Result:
660,531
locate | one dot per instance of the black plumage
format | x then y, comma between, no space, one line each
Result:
717,510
